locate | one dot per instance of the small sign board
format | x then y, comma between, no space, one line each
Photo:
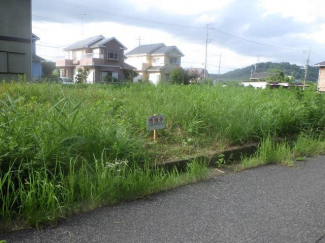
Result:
155,122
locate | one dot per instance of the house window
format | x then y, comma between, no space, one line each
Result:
113,55
3,62
12,62
106,76
156,60
173,60
77,55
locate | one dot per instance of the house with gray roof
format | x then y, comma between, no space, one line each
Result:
154,62
259,76
321,76
103,57
197,74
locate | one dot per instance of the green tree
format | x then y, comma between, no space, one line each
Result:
108,78
82,75
191,76
129,74
48,68
278,76
177,76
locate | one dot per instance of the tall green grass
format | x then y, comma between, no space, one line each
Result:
41,196
53,123
269,152
309,144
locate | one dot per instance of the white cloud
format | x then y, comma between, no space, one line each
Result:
207,18
183,7
303,10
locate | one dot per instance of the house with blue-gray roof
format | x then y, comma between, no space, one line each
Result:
36,64
154,62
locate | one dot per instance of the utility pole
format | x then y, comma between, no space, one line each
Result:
219,67
82,23
256,65
206,51
139,40
306,67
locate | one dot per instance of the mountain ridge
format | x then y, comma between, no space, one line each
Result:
288,69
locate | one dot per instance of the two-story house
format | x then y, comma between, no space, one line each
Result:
154,62
103,57
36,65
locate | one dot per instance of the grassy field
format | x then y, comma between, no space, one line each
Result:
66,143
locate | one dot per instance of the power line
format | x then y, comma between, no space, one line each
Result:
56,47
111,13
225,67
65,2
255,42
50,19
34,27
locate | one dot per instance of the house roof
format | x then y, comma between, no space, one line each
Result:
35,37
101,43
153,49
38,58
127,66
321,64
199,70
86,43
154,68
260,75
145,49
196,69
165,50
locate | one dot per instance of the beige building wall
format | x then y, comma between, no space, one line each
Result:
15,39
161,60
139,62
321,79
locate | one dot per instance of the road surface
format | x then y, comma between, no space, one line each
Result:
266,204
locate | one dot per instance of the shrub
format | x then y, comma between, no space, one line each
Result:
177,76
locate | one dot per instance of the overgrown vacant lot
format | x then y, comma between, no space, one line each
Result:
54,123
68,142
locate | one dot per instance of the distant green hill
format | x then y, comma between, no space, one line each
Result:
287,68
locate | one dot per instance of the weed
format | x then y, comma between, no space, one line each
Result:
220,161
308,144
40,197
270,152
303,158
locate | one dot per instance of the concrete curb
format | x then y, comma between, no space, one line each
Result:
233,153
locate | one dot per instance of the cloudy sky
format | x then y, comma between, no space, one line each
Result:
243,32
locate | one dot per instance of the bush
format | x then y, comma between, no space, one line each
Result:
177,76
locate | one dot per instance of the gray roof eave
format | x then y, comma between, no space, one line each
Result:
321,64
86,45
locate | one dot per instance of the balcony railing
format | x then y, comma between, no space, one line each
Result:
93,55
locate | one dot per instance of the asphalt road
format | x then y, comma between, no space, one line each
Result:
266,204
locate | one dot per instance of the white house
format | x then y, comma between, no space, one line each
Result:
154,62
